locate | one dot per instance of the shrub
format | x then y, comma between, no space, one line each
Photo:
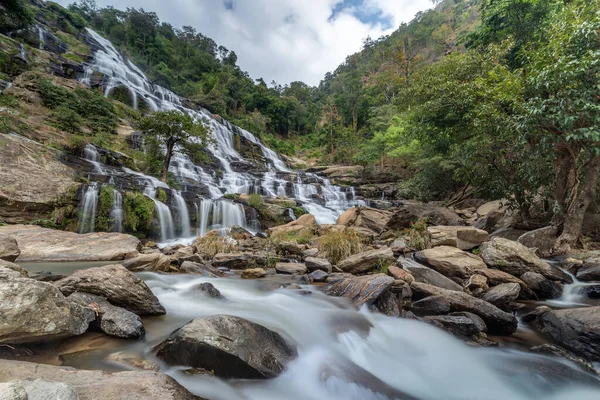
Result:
299,211
213,244
66,119
336,245
161,195
418,236
139,211
103,219
256,201
303,236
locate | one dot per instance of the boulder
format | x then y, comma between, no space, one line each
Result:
9,250
119,286
462,237
34,312
13,391
253,273
132,360
389,304
312,252
291,248
290,268
189,267
503,294
401,274
305,222
41,244
367,261
477,284
229,346
235,260
496,277
319,276
432,305
425,274
41,389
113,321
100,385
371,219
209,290
576,329
451,262
540,240
493,206
410,212
497,321
361,290
542,287
314,264
13,267
148,262
590,271
462,324
516,259
8,273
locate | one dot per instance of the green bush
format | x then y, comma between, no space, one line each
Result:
103,219
336,245
256,201
161,195
303,236
139,212
66,119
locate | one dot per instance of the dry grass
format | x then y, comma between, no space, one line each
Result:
418,236
213,244
337,246
303,236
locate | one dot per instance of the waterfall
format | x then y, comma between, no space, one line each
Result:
203,214
91,154
22,53
225,214
116,213
163,213
183,215
41,37
87,221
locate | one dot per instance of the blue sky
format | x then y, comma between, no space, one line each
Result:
372,16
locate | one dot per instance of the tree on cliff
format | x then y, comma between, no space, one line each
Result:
174,128
14,14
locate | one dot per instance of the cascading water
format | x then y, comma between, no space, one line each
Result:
116,213
41,37
183,215
87,219
91,154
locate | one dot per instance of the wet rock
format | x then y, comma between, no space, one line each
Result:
189,267
502,294
46,276
542,287
290,268
371,219
319,276
560,352
119,286
132,360
230,346
516,259
540,240
576,329
462,237
209,289
254,273
9,249
410,212
367,261
593,292
361,290
460,324
432,305
388,303
399,273
451,262
35,312
100,385
497,321
314,264
148,262
425,274
113,321
41,244
590,271
496,277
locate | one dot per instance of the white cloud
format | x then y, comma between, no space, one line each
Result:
281,40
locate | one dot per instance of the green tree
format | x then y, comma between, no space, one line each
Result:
14,14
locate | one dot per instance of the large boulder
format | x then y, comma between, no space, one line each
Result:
496,277
462,237
367,261
363,217
425,274
229,346
235,260
290,268
410,212
41,389
155,262
112,320
314,264
34,312
514,258
540,240
306,222
451,262
497,321
194,268
119,286
100,385
462,324
503,294
361,290
542,287
590,271
41,244
9,249
254,273
576,329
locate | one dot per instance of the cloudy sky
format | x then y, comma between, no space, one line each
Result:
284,40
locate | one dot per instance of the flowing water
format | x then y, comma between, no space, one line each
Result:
183,215
89,205
116,212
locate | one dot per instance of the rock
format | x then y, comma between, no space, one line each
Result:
541,240
516,259
239,233
113,321
371,219
410,212
425,274
9,250
451,262
234,260
577,329
590,271
399,273
310,252
432,305
189,267
388,304
593,292
496,277
399,247
148,262
14,267
402,289
477,284
254,273
46,276
492,206
542,287
35,312
13,391
41,389
230,346
119,286
319,276
305,222
291,248
367,261
100,385
290,268
497,321
460,324
132,360
462,237
502,294
361,290
41,244
314,264
560,352
209,289
7,273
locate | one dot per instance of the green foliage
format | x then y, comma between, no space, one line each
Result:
14,15
105,202
418,236
338,245
256,201
161,195
66,119
139,212
299,211
302,236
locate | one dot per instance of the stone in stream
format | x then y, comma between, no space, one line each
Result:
119,286
237,260
542,287
319,276
451,262
132,360
9,249
496,277
208,289
100,385
148,262
313,264
254,273
114,321
229,346
194,268
590,271
463,324
36,312
290,268
367,261
389,304
360,289
425,274
502,294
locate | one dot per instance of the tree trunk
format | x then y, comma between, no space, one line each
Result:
577,207
165,167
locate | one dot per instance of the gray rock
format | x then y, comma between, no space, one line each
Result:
230,346
502,294
235,260
541,240
542,287
12,391
119,286
41,389
290,268
313,264
496,277
462,237
425,274
9,249
590,271
208,289
361,290
410,212
459,324
319,276
189,267
432,305
310,252
35,312
389,304
148,262
112,320
451,262
367,261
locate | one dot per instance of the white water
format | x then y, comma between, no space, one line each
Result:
220,215
183,215
572,295
91,154
350,355
116,212
89,205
